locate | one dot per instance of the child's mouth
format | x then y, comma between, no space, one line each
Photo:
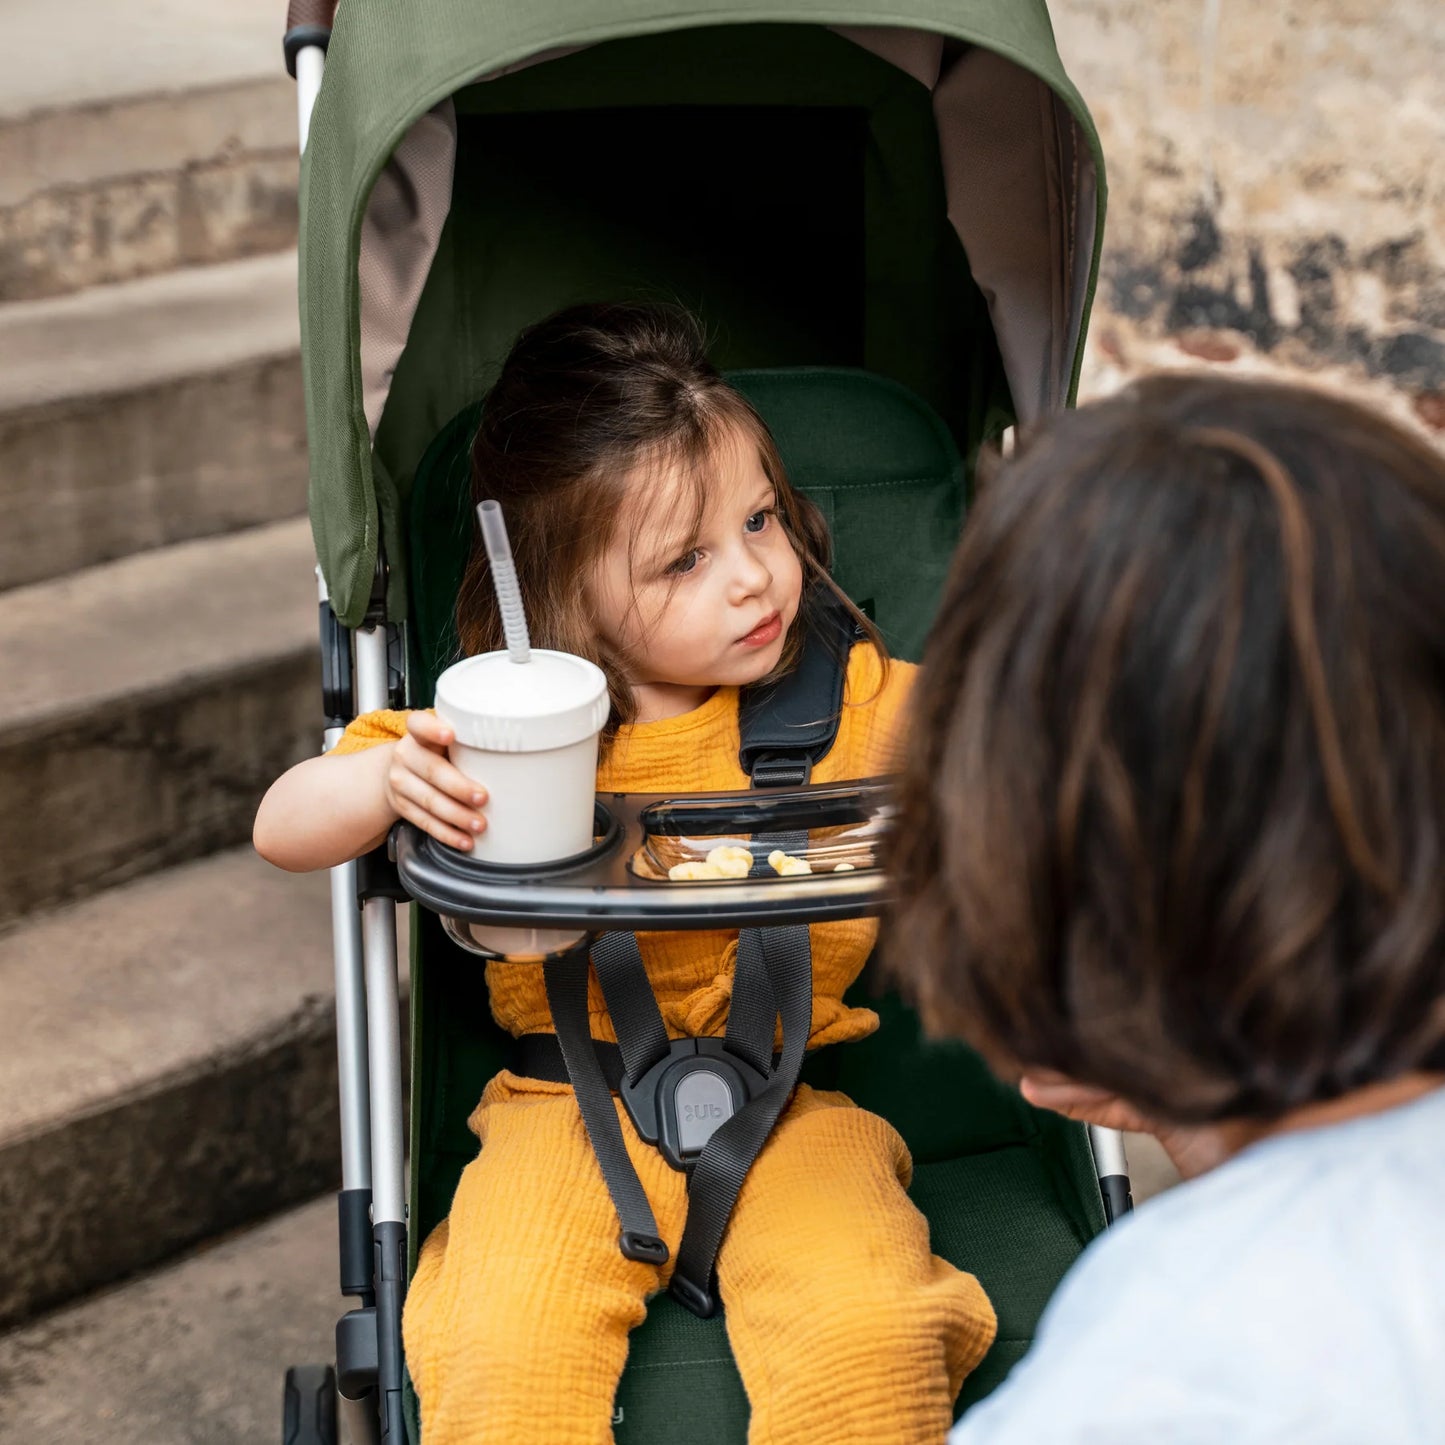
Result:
765,632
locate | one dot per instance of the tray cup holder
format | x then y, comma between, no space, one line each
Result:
523,944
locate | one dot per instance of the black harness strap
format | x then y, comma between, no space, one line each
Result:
565,978
787,958
631,1003
784,729
789,725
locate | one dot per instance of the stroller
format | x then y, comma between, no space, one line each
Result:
893,230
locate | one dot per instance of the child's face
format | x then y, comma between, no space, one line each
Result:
712,613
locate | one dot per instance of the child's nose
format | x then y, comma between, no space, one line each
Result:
752,575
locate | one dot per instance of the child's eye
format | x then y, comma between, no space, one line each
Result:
683,565
758,520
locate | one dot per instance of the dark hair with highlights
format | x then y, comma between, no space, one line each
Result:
584,399
1174,818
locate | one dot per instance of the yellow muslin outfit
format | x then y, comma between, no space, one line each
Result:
844,1326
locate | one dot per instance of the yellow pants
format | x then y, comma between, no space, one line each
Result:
844,1326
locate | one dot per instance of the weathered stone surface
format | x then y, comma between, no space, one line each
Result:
137,415
172,1072
227,206
139,138
100,51
102,1195
100,478
152,701
193,1354
1274,172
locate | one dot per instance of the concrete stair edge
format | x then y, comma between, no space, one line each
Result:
147,413
151,702
139,138
174,1074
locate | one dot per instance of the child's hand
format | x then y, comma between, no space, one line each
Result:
424,788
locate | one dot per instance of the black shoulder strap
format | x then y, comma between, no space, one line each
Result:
791,724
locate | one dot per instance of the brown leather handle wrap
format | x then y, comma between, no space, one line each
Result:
310,13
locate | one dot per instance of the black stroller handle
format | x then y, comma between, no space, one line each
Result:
617,884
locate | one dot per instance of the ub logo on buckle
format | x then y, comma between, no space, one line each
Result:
703,1100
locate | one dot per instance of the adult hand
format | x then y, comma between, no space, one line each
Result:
424,787
1046,1089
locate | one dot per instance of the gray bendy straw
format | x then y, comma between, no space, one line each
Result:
504,579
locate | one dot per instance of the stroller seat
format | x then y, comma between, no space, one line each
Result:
1010,1193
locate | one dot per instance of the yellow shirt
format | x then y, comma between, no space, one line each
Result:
692,972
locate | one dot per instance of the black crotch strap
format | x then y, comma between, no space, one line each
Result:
784,957
565,978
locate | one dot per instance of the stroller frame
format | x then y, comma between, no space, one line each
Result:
364,670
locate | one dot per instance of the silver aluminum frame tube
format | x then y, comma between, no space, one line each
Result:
383,1010
1108,1147
353,1083
353,1074
310,63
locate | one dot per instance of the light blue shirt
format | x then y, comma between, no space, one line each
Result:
1293,1296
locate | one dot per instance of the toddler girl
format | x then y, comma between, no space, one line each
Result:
656,533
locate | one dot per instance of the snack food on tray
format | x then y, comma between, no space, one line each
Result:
727,860
732,860
786,866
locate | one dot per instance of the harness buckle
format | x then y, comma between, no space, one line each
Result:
645,1248
687,1095
702,1302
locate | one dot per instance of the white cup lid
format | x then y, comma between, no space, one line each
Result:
552,701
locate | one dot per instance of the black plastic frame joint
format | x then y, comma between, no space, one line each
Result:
297,39
353,1218
376,877
1118,1201
337,673
389,1244
356,1352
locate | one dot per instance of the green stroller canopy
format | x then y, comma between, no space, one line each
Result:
911,186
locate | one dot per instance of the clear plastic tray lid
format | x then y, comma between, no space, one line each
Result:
742,859
838,829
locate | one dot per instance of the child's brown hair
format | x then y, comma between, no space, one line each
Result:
584,399
1173,822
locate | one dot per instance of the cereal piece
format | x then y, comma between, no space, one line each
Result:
843,868
693,871
786,866
731,860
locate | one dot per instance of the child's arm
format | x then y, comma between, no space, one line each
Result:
329,809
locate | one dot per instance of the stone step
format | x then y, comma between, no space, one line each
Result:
141,137
150,703
140,414
194,1352
169,1072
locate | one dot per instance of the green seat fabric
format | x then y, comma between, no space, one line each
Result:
1009,1192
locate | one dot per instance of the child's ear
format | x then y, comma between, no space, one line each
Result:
1045,1089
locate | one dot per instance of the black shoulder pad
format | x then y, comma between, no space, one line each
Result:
790,724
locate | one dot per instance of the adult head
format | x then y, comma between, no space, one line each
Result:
1173,822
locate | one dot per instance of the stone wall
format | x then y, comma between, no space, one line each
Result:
1277,182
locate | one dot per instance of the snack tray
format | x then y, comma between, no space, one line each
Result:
622,881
